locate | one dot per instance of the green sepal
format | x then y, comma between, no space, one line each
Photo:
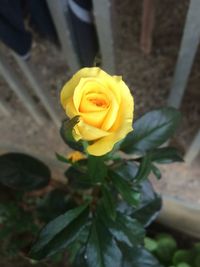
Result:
62,158
66,132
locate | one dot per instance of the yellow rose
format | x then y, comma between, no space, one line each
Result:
75,156
104,105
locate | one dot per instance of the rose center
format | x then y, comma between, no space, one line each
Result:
98,102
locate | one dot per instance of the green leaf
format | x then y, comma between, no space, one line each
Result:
126,169
138,257
53,204
197,261
165,155
183,255
150,244
144,169
102,250
108,202
148,208
125,189
60,233
156,171
97,170
152,130
66,132
80,260
166,248
183,264
78,178
74,250
23,172
62,158
124,228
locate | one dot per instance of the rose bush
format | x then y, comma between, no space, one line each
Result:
104,105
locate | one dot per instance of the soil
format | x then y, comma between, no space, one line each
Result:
149,77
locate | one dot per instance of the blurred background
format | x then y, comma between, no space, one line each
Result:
153,44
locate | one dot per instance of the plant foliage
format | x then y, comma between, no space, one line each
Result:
109,200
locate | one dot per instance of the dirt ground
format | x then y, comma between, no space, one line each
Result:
149,78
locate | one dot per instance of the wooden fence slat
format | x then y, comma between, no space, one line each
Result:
63,31
103,19
4,108
16,85
30,73
147,25
189,45
193,150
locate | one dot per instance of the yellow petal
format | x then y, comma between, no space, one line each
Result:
70,108
121,127
111,116
94,118
68,89
126,109
84,89
87,132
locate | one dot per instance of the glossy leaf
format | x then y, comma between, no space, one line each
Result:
76,248
66,131
78,178
165,155
23,172
144,169
108,203
102,249
53,204
60,233
156,171
148,208
97,170
125,189
124,228
80,260
138,257
152,130
127,170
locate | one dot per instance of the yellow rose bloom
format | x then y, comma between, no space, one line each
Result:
104,105
75,156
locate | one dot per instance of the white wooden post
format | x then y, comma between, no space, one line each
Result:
30,73
189,45
16,85
103,18
193,150
63,31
